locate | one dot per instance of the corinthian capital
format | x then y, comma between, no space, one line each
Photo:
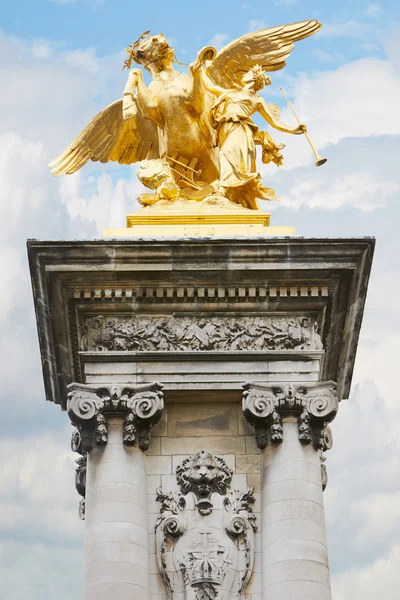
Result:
314,405
89,406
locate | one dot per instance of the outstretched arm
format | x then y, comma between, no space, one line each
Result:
266,113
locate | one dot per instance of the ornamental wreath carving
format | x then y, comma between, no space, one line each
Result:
229,333
205,533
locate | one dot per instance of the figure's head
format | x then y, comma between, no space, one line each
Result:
151,50
256,78
203,474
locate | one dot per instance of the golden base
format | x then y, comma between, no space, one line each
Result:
216,216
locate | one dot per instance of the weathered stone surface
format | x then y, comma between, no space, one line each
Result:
293,521
321,279
205,533
153,334
205,419
116,537
202,317
266,406
215,444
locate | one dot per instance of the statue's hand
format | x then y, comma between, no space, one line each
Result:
134,75
300,129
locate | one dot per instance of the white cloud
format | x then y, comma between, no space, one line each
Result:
41,49
105,204
40,571
324,57
362,190
373,10
38,499
218,40
348,29
12,271
256,24
356,100
83,58
378,579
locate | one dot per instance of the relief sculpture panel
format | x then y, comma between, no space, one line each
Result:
205,533
229,333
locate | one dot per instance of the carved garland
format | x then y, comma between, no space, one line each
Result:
228,333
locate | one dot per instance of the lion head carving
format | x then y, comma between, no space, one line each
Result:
204,474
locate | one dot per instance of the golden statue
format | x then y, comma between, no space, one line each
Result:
192,132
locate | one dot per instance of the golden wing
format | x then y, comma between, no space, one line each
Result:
268,47
110,137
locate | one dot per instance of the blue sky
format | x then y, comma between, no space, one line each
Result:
60,63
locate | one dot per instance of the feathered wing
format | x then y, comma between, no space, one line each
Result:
110,137
269,48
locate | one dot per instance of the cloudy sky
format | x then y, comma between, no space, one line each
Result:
60,63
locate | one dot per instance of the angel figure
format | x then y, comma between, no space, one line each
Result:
169,121
237,135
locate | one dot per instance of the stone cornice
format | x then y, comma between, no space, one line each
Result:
314,405
89,406
72,280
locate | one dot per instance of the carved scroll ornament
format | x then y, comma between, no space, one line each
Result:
205,534
88,408
228,333
315,405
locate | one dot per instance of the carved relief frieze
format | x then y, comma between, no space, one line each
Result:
205,533
194,333
314,405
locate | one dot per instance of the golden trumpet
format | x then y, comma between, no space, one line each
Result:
320,161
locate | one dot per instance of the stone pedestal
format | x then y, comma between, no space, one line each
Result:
215,366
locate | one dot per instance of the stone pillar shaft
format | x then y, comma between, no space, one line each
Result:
112,432
294,550
291,427
116,534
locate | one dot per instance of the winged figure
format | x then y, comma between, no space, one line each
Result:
192,132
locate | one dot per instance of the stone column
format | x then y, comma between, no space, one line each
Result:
112,432
291,428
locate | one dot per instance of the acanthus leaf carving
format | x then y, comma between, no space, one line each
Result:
227,333
264,406
88,407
